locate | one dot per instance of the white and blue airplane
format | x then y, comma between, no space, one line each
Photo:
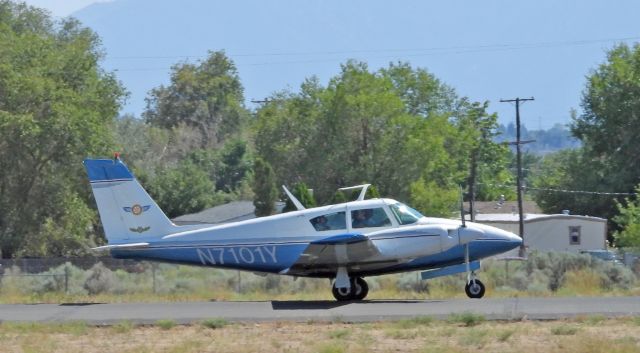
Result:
345,242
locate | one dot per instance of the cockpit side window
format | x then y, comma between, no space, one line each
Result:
330,221
369,217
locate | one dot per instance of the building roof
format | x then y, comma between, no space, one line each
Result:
229,212
529,217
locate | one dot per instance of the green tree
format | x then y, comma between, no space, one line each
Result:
628,219
264,188
183,189
57,106
207,96
422,93
485,160
609,126
434,200
360,128
301,192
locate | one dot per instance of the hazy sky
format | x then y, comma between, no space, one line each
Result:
486,50
62,8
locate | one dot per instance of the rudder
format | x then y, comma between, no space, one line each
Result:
127,212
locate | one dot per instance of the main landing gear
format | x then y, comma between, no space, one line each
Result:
358,290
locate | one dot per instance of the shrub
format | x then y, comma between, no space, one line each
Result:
165,324
564,330
100,279
467,318
215,323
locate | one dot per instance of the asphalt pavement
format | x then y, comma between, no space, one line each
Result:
373,310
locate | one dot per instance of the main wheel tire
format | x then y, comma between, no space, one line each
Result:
361,289
474,289
343,294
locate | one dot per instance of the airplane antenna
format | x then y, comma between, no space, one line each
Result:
462,208
293,199
363,193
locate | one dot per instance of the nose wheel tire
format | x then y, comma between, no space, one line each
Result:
358,291
474,289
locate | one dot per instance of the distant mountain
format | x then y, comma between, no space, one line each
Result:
486,50
546,141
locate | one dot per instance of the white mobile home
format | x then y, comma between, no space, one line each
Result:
557,232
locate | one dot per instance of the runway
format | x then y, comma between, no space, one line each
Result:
374,310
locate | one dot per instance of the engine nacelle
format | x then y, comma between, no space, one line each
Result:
417,241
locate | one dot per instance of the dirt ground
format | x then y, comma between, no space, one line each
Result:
588,334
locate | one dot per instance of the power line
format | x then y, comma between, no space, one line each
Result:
526,188
418,51
584,192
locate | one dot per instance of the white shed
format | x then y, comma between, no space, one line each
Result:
558,232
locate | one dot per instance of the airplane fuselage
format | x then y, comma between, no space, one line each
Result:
273,244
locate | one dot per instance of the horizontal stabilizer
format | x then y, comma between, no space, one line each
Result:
121,246
449,270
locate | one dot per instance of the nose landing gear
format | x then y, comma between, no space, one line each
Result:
474,288
358,290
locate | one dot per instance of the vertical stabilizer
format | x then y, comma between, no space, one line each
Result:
127,212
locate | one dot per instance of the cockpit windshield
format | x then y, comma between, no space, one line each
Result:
405,214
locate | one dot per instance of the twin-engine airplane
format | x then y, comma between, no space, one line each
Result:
344,242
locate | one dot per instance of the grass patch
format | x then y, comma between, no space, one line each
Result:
215,323
123,327
473,337
166,324
466,318
340,333
564,330
504,335
331,347
414,322
76,328
401,334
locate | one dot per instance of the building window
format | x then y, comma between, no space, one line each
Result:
574,235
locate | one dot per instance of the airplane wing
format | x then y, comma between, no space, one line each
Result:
329,253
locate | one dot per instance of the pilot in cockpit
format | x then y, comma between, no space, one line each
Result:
321,223
361,219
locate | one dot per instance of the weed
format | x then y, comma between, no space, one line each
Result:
467,318
340,333
123,327
165,324
473,337
504,335
595,319
440,349
76,328
401,334
331,347
414,322
564,330
215,323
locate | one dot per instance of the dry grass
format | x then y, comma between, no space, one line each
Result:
619,335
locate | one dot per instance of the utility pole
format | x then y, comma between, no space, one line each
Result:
518,142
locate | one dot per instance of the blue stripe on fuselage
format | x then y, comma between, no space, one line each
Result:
274,256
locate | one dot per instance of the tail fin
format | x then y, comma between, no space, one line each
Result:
127,212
